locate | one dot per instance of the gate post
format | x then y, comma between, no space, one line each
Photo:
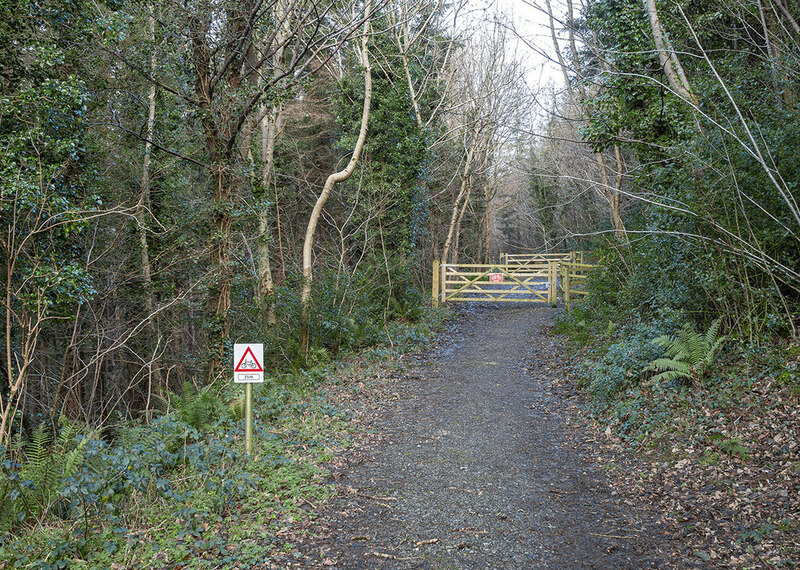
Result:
566,287
552,277
435,292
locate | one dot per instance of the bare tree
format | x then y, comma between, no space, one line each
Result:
487,98
610,193
434,48
270,126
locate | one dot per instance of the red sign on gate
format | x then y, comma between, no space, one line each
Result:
495,278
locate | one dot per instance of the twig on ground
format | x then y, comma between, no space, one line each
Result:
612,535
387,556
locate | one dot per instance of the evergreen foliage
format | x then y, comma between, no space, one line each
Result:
689,354
80,496
710,203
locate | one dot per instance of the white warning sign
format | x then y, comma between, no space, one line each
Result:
247,363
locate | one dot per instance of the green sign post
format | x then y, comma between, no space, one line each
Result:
248,370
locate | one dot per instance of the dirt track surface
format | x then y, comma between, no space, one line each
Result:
477,462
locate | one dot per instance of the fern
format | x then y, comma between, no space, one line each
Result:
37,470
46,464
199,409
689,354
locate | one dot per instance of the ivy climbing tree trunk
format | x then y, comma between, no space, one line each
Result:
227,127
668,57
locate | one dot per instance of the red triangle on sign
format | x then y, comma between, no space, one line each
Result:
246,365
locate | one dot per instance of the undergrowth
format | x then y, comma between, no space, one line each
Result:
714,441
179,491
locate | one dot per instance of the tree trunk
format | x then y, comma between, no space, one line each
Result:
219,285
457,237
488,194
404,44
465,176
610,194
616,215
270,126
772,55
671,64
331,181
265,295
228,134
788,15
143,208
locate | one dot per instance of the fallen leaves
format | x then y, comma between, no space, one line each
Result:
727,485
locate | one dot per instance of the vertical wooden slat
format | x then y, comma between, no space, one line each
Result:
442,282
435,291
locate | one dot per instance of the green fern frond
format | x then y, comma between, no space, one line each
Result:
72,460
687,344
713,331
37,467
669,376
665,341
36,450
662,364
689,353
199,408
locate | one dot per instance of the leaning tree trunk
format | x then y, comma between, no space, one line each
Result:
668,57
332,180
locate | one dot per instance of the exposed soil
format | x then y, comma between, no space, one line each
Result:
477,458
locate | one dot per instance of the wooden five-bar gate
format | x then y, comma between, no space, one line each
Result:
520,278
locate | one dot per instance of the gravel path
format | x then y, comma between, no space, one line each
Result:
476,466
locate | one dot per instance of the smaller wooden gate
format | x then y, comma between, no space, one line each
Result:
573,280
528,282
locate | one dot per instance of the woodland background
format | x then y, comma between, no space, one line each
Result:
164,168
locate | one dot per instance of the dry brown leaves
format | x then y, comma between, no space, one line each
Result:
732,495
